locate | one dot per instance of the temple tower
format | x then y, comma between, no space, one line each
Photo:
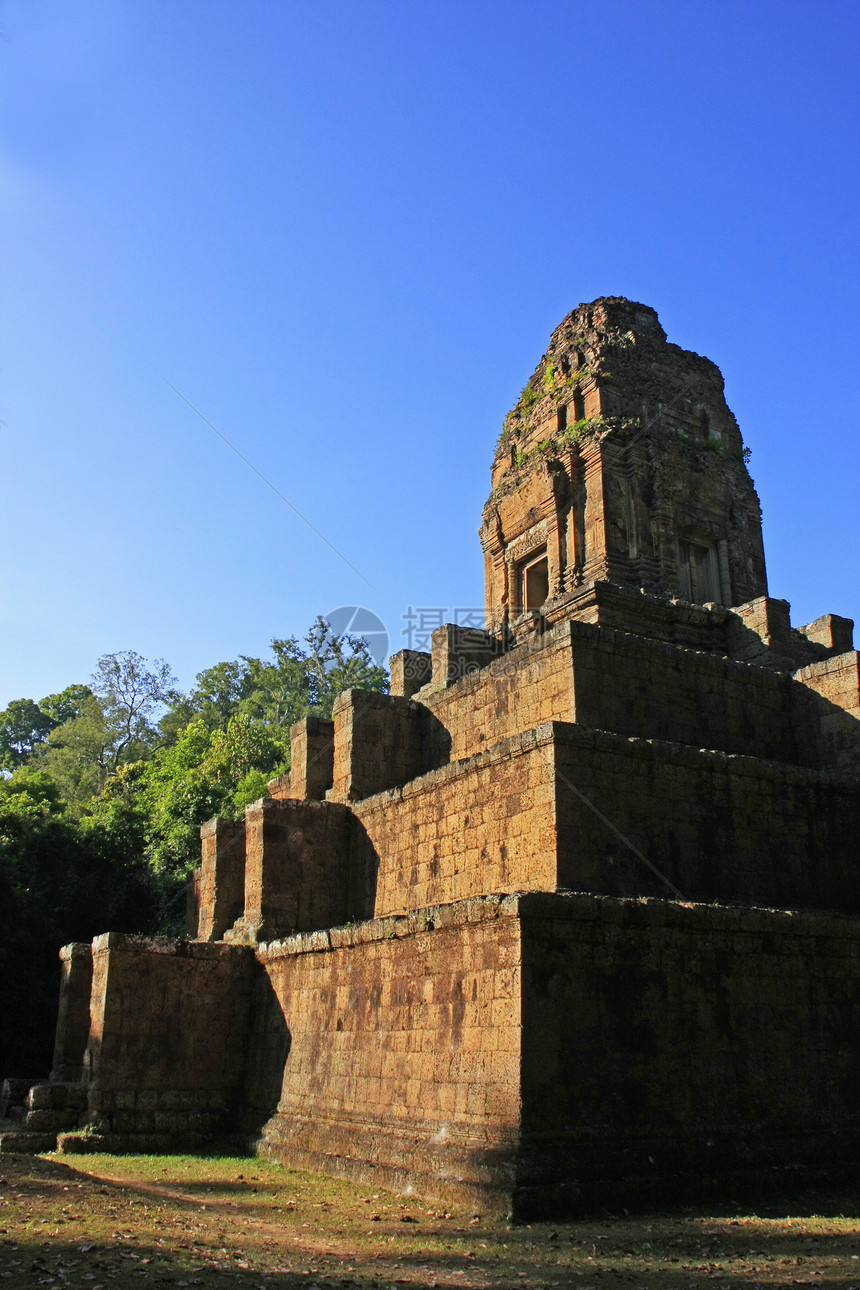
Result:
621,464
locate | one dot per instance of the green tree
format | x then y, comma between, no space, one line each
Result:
304,679
338,663
131,691
67,705
111,724
181,713
24,727
55,887
205,773
222,760
278,693
108,787
80,754
220,690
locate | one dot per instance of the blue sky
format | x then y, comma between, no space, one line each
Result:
344,232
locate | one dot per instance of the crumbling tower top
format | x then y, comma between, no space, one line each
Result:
621,463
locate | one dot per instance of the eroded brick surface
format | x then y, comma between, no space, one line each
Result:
725,1039
483,825
408,1038
621,461
167,1043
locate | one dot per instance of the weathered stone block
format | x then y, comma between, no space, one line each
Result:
833,633
409,671
73,1015
52,1121
458,652
311,758
27,1144
221,886
297,866
381,740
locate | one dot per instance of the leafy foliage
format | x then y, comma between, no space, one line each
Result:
66,705
54,888
205,773
106,788
23,727
130,690
80,752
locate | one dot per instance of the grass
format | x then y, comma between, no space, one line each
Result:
98,1222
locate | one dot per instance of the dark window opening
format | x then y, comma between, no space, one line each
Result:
534,582
578,405
561,418
699,572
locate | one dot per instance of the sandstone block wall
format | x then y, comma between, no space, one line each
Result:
458,651
479,826
297,874
661,1044
515,693
639,687
532,1053
409,670
617,681
381,740
168,1036
311,758
661,1040
404,1055
719,827
828,698
623,609
830,632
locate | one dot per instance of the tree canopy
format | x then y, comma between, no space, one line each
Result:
104,787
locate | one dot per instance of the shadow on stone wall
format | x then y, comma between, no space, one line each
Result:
269,1042
363,872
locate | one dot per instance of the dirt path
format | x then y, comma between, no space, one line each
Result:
102,1222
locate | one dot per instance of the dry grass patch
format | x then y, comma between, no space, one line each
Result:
100,1222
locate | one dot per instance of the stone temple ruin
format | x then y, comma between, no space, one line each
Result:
570,915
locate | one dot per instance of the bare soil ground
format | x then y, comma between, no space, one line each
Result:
105,1222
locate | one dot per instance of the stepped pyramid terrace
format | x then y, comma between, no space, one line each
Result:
572,915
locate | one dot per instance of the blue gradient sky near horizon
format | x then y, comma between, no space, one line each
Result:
344,232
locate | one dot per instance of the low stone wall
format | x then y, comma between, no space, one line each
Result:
633,686
666,1047
403,1064
628,684
218,891
544,1054
530,684
73,1013
483,825
168,1037
828,696
381,740
296,867
544,810
532,1053
718,827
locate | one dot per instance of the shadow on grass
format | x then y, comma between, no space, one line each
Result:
230,1231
